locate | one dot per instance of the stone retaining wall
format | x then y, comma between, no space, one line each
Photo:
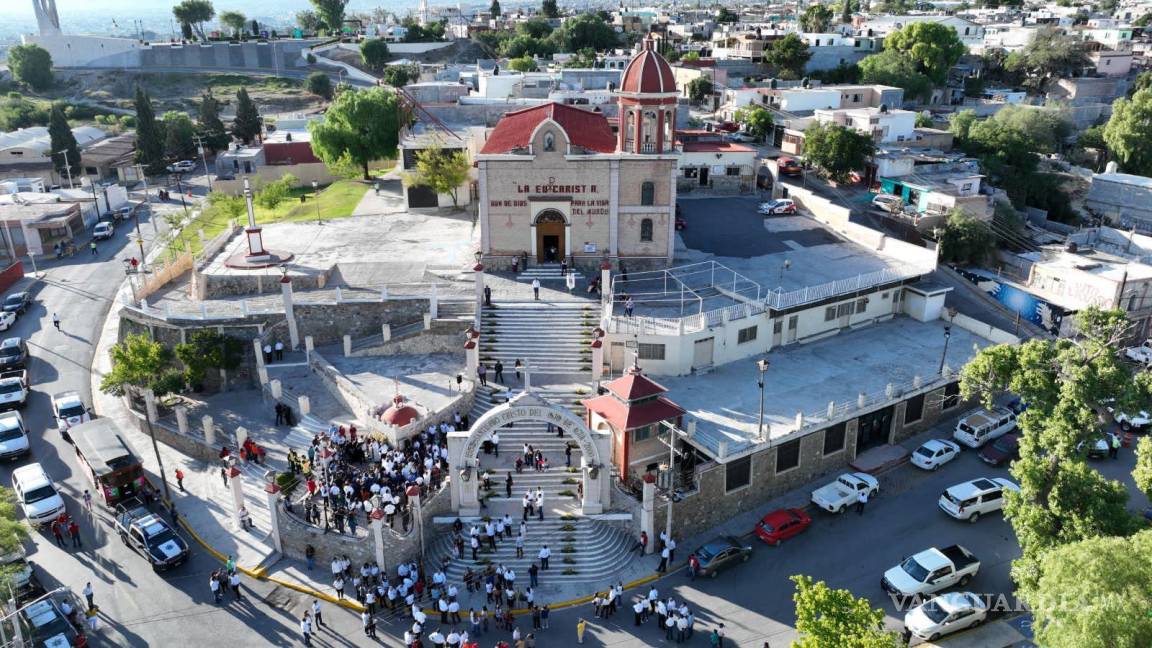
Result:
444,336
329,323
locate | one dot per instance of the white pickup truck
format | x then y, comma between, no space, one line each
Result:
1141,354
930,571
842,493
13,388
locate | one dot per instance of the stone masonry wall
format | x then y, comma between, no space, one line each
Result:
444,336
329,323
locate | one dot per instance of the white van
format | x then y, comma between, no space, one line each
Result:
970,500
37,494
983,426
13,436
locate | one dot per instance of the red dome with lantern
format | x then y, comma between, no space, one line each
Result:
400,413
648,73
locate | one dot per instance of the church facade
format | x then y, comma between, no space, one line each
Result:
555,181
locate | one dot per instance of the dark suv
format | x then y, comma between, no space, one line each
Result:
17,303
13,353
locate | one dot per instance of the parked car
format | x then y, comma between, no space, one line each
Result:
1097,446
720,553
930,571
1136,421
13,353
69,410
36,494
46,621
13,436
13,388
17,303
7,320
781,206
1004,450
934,453
970,500
681,224
889,203
843,492
183,166
23,574
982,426
1141,354
103,230
123,212
150,535
946,614
782,524
789,166
740,137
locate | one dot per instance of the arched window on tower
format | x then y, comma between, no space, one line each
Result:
549,142
648,194
646,229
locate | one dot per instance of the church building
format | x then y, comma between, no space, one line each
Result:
556,182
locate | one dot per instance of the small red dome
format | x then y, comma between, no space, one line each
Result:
648,73
399,414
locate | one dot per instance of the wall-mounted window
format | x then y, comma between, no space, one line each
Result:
640,434
787,456
648,193
746,335
650,351
829,313
834,439
646,229
737,474
951,395
914,410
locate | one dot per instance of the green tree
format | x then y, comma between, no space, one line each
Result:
1046,127
690,57
1051,53
924,120
309,21
247,124
359,127
815,19
319,84
960,124
62,139
215,137
1143,471
834,617
1065,382
757,121
1098,594
699,89
149,135
398,76
13,532
139,363
524,45
549,9
235,21
178,136
846,11
1143,21
192,14
523,64
535,27
892,68
494,8
16,111
585,58
586,30
726,15
1143,80
273,193
1127,133
31,65
843,73
331,13
442,171
965,240
374,54
836,149
788,55
208,349
932,47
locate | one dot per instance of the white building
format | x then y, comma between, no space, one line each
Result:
34,146
885,126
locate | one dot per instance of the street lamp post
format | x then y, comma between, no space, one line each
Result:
762,366
67,167
180,190
316,191
944,355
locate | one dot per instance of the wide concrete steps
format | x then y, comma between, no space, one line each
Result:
598,552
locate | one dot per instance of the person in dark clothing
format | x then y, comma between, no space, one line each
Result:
508,485
499,367
488,296
279,413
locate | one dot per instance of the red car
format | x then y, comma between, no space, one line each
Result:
789,166
782,524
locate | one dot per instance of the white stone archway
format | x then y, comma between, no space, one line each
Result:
464,451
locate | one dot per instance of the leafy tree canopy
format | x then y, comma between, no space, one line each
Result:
178,135
209,124
138,363
331,13
235,21
892,68
319,84
1050,53
359,127
699,89
549,9
374,54
757,120
192,14
247,125
726,15
836,149
834,617
441,170
1127,133
964,239
932,47
31,65
816,18
788,55
523,64
61,139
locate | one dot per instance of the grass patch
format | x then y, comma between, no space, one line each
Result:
337,200
568,561
567,493
571,480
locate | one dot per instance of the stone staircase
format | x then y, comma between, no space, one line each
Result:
549,337
546,272
463,310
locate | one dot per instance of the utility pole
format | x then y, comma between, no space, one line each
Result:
180,190
200,149
67,168
147,201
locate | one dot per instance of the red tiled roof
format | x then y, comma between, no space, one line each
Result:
624,417
634,386
648,72
583,128
716,147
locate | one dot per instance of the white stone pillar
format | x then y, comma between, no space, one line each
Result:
472,357
276,388
309,346
597,359
272,491
590,504
478,276
236,484
469,495
569,246
209,430
289,312
150,405
262,375
434,303
305,405
259,352
182,419
532,249
378,536
605,281
347,345
386,331
527,371
648,515
427,321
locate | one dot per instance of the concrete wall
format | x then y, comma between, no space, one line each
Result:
305,174
444,336
71,50
329,323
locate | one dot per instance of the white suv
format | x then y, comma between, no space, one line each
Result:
36,494
970,500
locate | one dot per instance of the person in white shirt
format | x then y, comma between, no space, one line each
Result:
544,555
306,630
